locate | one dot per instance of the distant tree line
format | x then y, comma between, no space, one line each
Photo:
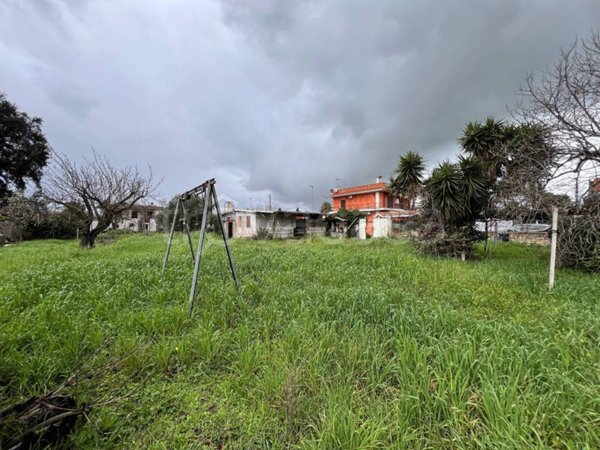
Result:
32,217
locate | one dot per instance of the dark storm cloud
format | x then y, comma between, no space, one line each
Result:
406,75
270,96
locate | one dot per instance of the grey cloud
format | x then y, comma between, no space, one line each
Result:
407,75
271,96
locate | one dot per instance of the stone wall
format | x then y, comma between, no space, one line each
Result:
522,238
530,238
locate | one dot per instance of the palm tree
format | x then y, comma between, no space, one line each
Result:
459,191
488,142
408,177
475,187
445,190
484,140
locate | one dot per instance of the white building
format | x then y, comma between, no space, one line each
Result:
246,223
140,218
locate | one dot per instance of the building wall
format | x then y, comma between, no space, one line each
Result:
382,226
369,228
282,228
316,231
530,238
362,228
239,223
140,219
368,201
134,225
358,201
244,224
137,225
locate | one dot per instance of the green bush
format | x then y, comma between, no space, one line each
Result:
53,226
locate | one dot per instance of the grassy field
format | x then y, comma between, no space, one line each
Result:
328,344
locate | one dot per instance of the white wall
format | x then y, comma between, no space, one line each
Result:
382,227
282,226
137,225
241,228
362,229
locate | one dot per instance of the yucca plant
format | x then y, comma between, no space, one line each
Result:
459,191
445,188
475,187
484,141
408,177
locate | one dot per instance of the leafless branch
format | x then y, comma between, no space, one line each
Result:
96,192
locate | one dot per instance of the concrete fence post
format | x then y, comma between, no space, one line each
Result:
553,247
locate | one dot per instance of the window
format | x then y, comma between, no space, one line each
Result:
248,221
239,221
134,214
343,204
150,213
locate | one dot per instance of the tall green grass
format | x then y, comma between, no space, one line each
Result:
328,344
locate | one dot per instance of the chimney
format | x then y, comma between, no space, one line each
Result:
378,179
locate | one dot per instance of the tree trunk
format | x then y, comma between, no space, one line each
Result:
86,240
89,235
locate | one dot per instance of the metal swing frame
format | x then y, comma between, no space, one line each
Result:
209,193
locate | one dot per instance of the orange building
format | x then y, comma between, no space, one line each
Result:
595,186
374,200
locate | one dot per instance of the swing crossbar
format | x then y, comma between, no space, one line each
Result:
200,189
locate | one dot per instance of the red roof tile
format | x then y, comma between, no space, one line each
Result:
365,187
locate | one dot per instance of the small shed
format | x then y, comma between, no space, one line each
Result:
247,223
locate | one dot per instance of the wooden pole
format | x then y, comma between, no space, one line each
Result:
166,259
553,246
224,234
207,195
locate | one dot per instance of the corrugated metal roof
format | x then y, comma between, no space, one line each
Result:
530,227
275,211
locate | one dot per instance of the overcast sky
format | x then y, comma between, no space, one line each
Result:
273,96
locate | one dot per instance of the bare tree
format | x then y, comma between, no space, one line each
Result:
96,192
528,161
566,100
